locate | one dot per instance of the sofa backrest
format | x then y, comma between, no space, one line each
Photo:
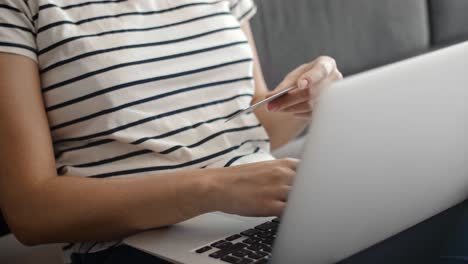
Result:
360,34
449,21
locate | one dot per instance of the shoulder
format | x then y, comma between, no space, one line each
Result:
25,7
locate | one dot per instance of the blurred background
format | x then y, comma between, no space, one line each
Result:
359,34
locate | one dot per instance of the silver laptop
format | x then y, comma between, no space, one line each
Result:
386,150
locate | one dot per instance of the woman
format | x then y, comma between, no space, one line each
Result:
112,116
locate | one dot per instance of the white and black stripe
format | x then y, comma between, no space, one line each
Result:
150,119
145,100
139,82
127,30
167,151
125,14
136,87
178,166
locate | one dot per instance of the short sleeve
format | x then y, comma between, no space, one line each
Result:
243,10
17,30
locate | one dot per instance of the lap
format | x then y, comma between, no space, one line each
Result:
119,255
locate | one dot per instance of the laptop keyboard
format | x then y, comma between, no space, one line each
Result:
248,247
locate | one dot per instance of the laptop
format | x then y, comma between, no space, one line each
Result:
386,149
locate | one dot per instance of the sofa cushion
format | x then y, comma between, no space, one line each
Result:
449,21
360,34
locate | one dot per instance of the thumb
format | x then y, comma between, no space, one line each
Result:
292,79
300,84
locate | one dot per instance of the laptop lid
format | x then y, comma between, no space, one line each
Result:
386,150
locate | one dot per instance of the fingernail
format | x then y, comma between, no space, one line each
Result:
328,68
303,84
272,107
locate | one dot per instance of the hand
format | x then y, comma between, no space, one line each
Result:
256,189
309,78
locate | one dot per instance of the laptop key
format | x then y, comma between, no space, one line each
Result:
265,248
233,237
267,226
257,255
218,254
222,245
241,253
251,240
250,232
215,244
230,259
262,261
203,249
226,251
267,241
254,247
267,234
245,261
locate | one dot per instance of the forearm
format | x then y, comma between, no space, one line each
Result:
82,209
41,207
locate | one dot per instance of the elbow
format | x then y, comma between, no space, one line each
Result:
26,230
28,238
27,235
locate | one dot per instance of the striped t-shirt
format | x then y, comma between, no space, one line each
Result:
138,87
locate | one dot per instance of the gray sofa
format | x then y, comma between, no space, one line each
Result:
360,34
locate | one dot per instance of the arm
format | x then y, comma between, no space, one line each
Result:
78,209
41,207
293,110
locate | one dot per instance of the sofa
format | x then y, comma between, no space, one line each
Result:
359,34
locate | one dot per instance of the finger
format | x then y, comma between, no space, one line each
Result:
316,88
303,115
335,76
283,193
321,70
289,178
323,63
286,176
291,78
295,97
277,208
304,107
291,163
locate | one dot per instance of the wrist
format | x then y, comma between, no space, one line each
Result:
212,189
199,193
